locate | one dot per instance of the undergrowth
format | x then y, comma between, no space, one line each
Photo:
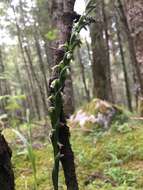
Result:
105,159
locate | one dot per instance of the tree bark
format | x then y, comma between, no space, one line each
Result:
2,83
63,24
131,39
83,76
61,11
127,86
41,89
134,12
88,46
49,55
32,91
6,171
99,68
107,48
100,64
41,62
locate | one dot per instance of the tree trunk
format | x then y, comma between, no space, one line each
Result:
83,76
61,12
99,67
2,85
49,55
41,62
88,50
6,171
107,48
100,64
63,24
131,40
41,89
127,86
31,88
134,10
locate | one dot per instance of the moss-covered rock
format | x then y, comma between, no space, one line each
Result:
97,114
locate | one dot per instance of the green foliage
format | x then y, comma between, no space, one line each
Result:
51,35
122,128
29,150
12,102
122,116
116,155
57,85
4,97
122,176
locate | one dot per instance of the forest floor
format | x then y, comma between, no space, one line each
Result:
105,159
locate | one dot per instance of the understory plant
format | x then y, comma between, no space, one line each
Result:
27,142
56,86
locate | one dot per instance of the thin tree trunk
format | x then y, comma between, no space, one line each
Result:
20,112
49,55
100,48
41,90
105,22
131,46
1,81
127,86
4,83
32,69
88,50
83,75
41,62
134,13
31,89
99,66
